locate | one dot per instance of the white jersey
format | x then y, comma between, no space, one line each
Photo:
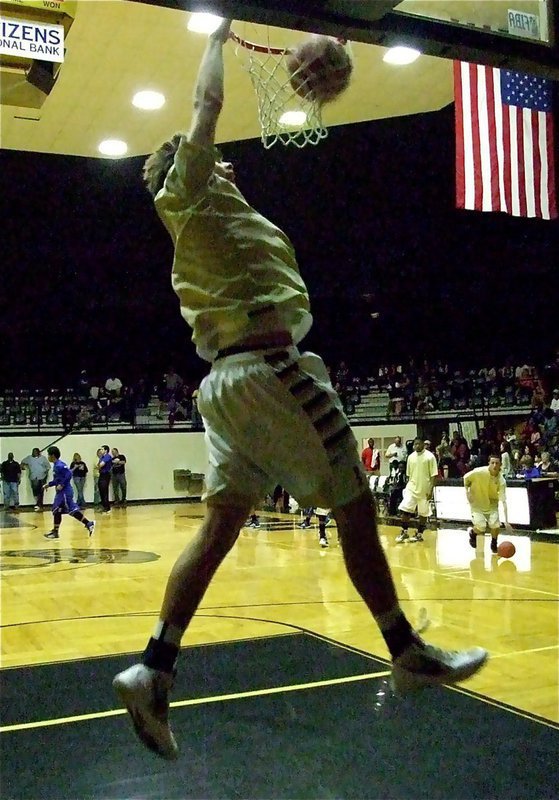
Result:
234,272
421,468
485,489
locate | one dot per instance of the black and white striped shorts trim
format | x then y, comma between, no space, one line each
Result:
329,422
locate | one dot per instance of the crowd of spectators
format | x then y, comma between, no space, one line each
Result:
170,399
417,389
413,390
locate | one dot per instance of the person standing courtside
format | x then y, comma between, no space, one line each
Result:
396,452
96,495
118,477
79,473
422,472
38,467
485,488
105,466
10,470
370,458
240,290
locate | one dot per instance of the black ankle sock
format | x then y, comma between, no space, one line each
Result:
160,655
399,637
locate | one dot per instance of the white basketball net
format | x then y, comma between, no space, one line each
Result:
280,108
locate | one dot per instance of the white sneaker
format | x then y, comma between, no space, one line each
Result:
417,538
402,537
323,541
424,665
144,692
36,508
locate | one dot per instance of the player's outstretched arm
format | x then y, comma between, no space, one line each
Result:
208,94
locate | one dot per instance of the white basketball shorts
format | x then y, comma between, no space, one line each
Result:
481,520
272,417
412,502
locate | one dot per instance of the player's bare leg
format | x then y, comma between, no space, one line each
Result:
144,688
415,663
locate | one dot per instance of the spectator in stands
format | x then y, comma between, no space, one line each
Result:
554,405
342,374
520,371
527,469
545,464
10,471
118,477
113,386
444,457
550,427
371,458
128,406
486,448
425,404
396,452
79,471
507,467
397,398
170,387
38,467
94,392
460,453
142,394
84,384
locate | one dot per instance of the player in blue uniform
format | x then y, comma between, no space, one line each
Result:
64,502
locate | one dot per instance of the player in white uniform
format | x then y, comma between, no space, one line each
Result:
270,413
323,515
422,471
485,488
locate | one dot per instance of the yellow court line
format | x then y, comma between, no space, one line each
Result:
46,723
524,652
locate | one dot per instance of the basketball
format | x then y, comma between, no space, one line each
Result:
506,549
320,68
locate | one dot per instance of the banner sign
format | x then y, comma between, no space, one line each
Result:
28,39
522,24
59,6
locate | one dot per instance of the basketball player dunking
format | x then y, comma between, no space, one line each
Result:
240,290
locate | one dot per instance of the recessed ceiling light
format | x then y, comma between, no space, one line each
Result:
401,55
293,118
148,100
204,23
113,147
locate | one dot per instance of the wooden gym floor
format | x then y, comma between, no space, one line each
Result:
282,666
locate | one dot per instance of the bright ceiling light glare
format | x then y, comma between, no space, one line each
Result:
293,119
401,55
203,23
113,147
148,101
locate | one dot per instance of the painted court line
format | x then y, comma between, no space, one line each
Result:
116,712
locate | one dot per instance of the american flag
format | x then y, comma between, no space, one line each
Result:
504,142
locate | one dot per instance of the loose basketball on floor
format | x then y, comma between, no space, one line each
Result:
506,549
320,68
